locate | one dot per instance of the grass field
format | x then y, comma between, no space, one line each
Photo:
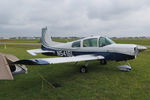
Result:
102,82
31,40
127,41
133,41
19,40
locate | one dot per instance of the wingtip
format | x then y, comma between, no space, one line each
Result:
31,52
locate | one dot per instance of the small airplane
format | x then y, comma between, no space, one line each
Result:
98,48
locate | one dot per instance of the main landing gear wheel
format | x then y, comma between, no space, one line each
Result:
83,69
103,62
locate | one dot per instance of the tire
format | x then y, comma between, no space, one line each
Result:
128,70
103,62
83,69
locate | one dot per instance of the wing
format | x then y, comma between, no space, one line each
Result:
45,61
34,51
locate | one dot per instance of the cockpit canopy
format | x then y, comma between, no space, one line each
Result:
93,42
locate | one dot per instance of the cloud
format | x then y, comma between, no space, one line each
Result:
75,17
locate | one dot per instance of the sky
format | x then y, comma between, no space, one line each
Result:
112,18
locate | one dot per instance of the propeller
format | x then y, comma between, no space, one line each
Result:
136,51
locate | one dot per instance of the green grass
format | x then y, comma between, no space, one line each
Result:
126,41
19,40
102,82
31,40
133,41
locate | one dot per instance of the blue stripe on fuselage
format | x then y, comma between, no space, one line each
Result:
107,55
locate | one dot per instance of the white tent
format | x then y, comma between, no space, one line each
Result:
7,69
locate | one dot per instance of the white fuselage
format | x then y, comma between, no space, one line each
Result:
107,50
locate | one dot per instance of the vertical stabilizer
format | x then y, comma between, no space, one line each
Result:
46,39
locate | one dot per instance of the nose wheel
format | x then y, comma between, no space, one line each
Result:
125,68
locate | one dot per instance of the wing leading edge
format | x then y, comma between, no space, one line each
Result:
46,61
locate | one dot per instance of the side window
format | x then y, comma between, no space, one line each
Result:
90,42
76,44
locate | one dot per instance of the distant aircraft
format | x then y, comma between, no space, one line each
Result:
98,48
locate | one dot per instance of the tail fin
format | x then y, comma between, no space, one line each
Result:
46,39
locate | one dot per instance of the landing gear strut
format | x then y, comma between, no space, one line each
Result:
127,63
84,68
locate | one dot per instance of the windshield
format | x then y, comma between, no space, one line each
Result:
103,41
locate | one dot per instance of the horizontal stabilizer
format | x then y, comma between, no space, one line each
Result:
35,51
